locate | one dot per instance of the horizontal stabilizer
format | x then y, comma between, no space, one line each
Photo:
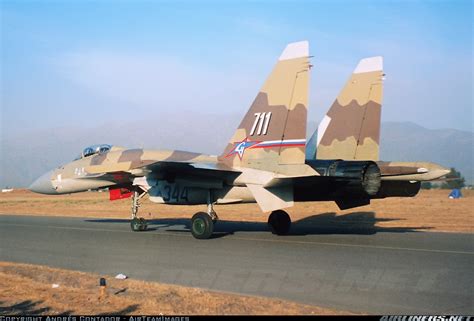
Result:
411,171
400,170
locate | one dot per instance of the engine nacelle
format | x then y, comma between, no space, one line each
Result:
398,189
181,192
350,178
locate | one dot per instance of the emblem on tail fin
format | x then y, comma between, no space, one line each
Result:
240,147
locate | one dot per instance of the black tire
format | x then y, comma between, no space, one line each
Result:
279,222
143,224
136,225
202,226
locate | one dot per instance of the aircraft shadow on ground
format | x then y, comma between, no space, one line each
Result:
127,310
363,223
28,307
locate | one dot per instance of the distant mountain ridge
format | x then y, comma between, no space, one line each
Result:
25,157
410,142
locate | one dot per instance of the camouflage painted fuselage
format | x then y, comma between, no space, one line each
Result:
172,177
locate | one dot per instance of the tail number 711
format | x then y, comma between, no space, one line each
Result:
261,123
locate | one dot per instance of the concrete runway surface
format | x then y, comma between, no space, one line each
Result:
377,271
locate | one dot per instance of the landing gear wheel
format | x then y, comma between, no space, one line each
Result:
135,224
279,222
202,226
143,224
138,224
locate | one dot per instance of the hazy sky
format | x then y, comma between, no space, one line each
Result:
85,63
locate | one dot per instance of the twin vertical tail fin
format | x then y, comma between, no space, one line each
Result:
351,128
273,132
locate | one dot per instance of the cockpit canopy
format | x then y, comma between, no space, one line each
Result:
95,149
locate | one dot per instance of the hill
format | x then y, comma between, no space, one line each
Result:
26,156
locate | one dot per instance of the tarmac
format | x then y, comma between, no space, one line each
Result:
373,271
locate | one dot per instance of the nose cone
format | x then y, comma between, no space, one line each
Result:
43,185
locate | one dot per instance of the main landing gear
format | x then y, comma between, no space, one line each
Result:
202,223
137,223
279,222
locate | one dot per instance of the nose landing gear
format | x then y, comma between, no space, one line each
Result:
137,223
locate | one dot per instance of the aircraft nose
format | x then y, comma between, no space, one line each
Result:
43,184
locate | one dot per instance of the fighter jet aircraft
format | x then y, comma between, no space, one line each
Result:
350,130
263,162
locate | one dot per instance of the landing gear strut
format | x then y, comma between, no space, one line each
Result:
279,222
202,223
137,223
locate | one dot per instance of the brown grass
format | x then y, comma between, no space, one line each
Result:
27,289
431,210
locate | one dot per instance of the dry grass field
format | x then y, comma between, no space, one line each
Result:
27,289
430,210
